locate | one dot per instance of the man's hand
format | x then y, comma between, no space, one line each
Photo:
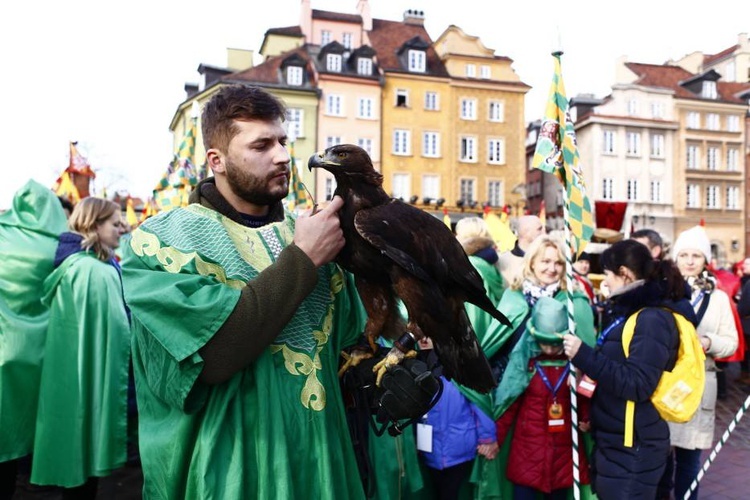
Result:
320,235
488,451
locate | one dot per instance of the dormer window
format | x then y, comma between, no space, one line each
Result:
364,66
333,63
417,61
294,76
709,90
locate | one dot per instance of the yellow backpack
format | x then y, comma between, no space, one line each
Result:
679,393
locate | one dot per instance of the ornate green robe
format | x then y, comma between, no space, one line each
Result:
28,239
277,428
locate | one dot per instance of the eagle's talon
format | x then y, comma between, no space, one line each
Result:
352,360
392,358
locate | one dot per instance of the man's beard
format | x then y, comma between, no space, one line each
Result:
250,188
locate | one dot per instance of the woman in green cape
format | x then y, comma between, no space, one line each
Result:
81,422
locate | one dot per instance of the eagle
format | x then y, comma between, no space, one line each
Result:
397,251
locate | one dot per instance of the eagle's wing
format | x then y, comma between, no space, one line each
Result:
423,245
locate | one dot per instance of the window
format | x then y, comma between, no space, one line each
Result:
401,142
333,62
712,121
431,101
467,190
497,111
657,145
693,119
712,197
693,196
468,109
294,75
417,61
657,109
733,198
431,186
633,190
402,186
485,72
431,144
325,38
346,40
471,70
608,189
733,156
733,123
364,66
632,107
334,105
365,144
656,196
709,90
609,142
692,157
731,72
333,140
496,151
634,143
366,107
402,98
468,151
295,119
330,188
712,158
495,193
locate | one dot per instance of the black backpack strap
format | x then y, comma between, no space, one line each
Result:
702,309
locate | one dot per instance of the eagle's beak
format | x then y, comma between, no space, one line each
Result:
315,160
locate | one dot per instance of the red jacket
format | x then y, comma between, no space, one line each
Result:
539,458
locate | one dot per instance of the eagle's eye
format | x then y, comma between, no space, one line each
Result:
342,154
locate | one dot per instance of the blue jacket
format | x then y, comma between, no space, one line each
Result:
457,428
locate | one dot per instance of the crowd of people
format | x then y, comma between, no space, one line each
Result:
229,317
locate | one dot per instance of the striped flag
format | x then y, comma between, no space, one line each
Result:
130,213
65,188
297,197
557,153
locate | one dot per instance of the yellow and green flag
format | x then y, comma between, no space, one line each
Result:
297,197
557,153
175,185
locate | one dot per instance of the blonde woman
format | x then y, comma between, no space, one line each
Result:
718,335
81,422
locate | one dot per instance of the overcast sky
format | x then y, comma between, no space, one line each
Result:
110,74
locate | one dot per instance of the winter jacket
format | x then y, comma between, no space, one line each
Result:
619,471
539,458
718,325
458,427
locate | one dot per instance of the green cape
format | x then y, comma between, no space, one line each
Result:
81,426
28,240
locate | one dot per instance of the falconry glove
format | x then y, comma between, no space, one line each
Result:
409,391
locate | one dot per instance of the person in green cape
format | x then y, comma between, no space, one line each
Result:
542,274
238,319
540,460
28,239
81,422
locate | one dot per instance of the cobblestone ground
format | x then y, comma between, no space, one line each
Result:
728,478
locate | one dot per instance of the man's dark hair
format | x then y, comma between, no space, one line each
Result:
653,237
236,102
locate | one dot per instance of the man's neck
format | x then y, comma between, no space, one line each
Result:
242,206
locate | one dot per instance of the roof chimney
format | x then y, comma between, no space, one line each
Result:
413,16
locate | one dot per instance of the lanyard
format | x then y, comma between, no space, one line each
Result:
546,380
607,330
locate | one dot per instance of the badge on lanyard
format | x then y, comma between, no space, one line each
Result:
555,412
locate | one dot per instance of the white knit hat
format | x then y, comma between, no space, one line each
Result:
694,238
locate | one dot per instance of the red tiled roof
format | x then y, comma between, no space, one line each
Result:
708,58
268,71
669,77
387,37
336,16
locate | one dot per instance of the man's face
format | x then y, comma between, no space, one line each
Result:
257,163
